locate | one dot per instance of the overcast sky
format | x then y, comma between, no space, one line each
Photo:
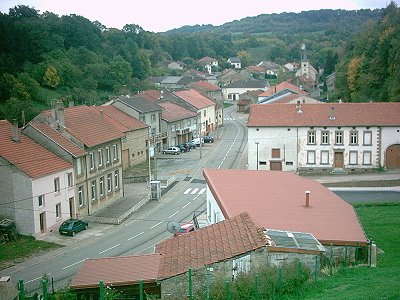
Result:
162,15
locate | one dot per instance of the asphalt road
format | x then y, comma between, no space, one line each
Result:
368,196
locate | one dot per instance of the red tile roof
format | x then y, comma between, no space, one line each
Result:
153,95
86,124
276,200
173,112
59,139
194,98
208,245
207,59
120,270
205,86
120,120
321,114
27,155
281,86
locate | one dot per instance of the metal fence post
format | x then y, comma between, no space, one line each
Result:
140,289
21,289
44,287
256,293
298,270
279,280
316,268
190,285
228,290
330,260
208,283
101,290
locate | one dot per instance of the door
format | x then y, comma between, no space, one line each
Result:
42,220
393,157
339,161
71,207
276,165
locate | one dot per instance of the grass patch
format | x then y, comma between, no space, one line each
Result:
23,248
381,223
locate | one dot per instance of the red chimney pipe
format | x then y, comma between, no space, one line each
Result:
307,198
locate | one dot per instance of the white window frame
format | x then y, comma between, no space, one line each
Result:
93,190
108,155
311,137
80,196
100,154
353,158
325,137
57,187
109,182
367,138
101,185
367,154
70,180
115,152
311,157
41,199
58,210
92,161
339,136
79,166
116,179
324,157
353,137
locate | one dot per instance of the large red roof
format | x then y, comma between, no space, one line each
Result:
332,114
281,86
119,119
205,86
27,155
208,245
276,200
194,98
120,270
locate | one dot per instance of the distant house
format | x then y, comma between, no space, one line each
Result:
210,90
330,83
289,87
235,62
180,124
285,201
335,137
246,99
231,76
208,63
202,105
177,65
270,66
37,187
291,66
232,91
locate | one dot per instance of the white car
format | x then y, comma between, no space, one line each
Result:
197,141
172,150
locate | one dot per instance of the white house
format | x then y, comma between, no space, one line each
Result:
344,137
37,187
235,62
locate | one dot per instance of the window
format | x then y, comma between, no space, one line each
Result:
100,157
101,183
80,195
153,117
339,137
276,153
325,137
311,137
109,183
79,166
311,157
91,160
324,157
115,151
57,184
41,200
367,158
353,137
367,138
116,179
58,210
70,180
108,154
353,157
189,123
93,189
205,113
173,128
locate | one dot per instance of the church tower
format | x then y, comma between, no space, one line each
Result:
304,62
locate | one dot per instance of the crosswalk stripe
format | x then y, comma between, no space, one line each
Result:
202,191
187,191
194,191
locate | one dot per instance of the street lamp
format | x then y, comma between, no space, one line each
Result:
257,153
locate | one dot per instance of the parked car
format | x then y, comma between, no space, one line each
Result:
172,150
208,139
72,226
185,228
182,148
191,145
196,141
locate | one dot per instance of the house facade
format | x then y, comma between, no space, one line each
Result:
37,186
180,124
232,90
340,137
235,62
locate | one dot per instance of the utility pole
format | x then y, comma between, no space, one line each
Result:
199,129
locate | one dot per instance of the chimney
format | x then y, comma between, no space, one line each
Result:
307,198
15,132
101,114
59,110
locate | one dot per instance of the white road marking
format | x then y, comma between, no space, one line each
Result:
185,205
156,225
109,248
135,236
202,191
78,262
194,191
187,191
37,278
173,214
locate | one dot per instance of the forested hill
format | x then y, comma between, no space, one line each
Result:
286,23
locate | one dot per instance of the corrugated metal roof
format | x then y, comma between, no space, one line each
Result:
294,240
